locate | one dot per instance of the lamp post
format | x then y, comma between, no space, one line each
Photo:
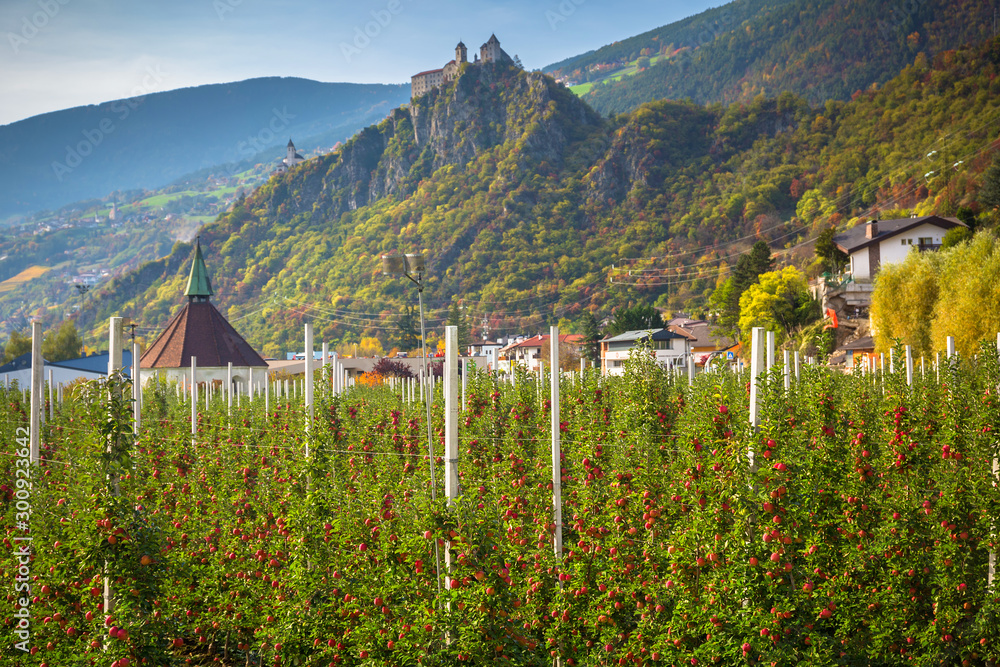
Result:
409,265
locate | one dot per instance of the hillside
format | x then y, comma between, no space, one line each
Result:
148,141
818,49
522,199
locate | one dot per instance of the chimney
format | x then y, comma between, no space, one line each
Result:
871,229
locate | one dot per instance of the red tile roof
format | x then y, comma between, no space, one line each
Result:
200,330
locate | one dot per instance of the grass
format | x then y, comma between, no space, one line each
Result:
28,274
629,70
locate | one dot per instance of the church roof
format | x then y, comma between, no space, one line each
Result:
200,330
460,45
493,38
290,144
199,284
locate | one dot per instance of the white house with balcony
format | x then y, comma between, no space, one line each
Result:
878,242
669,349
869,247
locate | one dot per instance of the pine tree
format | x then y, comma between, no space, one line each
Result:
455,319
407,336
833,257
989,193
591,347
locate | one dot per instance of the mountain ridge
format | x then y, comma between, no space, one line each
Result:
534,225
148,141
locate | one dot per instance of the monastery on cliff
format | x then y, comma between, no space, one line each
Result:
424,82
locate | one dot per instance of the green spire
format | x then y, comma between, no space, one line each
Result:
199,287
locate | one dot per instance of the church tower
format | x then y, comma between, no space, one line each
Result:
461,54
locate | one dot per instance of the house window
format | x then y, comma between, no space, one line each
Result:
925,241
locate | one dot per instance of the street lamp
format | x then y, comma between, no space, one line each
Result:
409,265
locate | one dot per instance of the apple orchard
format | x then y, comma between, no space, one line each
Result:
860,535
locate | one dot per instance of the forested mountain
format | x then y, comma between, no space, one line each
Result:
149,140
523,198
818,49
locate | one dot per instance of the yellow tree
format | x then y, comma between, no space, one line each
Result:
779,302
903,303
968,305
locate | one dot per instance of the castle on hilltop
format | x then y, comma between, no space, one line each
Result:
424,82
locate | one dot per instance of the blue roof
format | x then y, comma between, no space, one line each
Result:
18,364
95,363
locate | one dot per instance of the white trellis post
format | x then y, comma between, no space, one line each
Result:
757,366
52,396
136,390
325,375
308,382
786,370
796,367
770,350
909,367
36,395
229,389
690,368
267,394
450,378
465,381
557,541
194,398
115,343
892,361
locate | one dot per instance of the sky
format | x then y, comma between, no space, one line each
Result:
57,54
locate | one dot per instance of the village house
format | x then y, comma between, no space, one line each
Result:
528,353
670,349
869,247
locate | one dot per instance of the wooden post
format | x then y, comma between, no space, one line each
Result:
36,396
757,366
787,371
557,541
